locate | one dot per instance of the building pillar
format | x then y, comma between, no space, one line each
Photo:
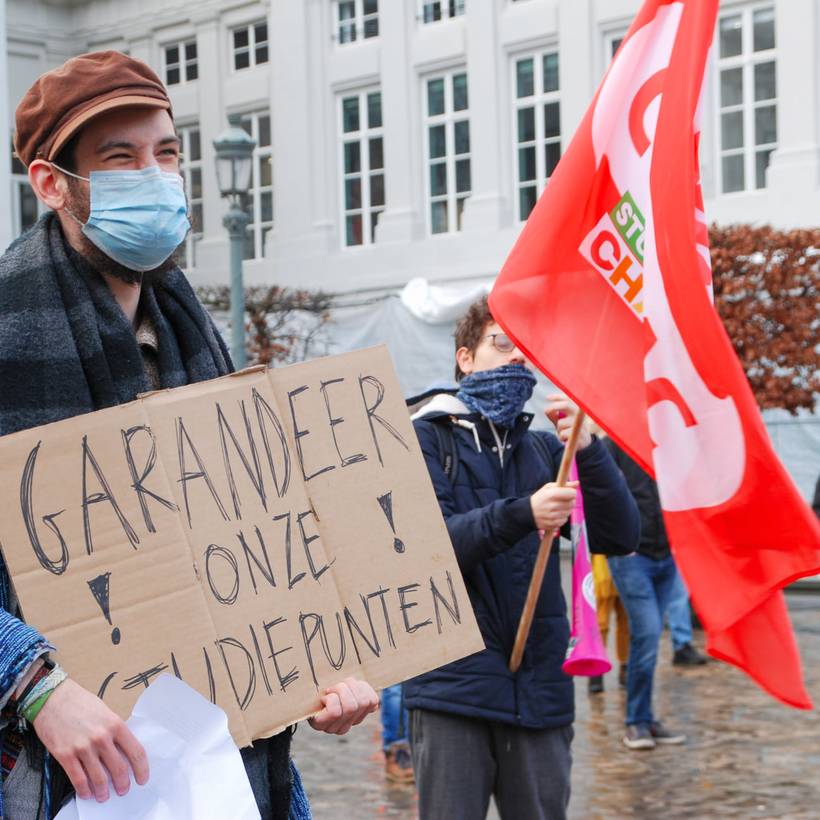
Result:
576,63
795,165
401,221
486,209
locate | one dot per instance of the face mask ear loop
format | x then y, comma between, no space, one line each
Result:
76,176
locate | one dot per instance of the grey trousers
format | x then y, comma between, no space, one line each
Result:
459,762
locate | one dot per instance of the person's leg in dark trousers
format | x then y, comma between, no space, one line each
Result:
533,780
453,763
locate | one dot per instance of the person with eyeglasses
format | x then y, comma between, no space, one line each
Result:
478,730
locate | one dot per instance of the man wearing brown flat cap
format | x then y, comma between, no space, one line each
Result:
93,311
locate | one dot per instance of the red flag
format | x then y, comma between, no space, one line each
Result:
608,291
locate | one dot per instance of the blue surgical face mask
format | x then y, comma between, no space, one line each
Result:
138,218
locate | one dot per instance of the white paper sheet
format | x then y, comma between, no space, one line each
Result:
196,769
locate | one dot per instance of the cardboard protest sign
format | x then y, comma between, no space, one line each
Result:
261,536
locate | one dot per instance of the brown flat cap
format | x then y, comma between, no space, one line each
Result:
64,99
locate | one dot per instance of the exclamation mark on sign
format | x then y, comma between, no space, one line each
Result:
99,587
386,502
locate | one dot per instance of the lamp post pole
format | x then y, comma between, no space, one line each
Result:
234,171
236,221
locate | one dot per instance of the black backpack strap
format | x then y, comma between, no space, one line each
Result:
544,452
447,449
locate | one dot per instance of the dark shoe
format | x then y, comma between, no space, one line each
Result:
398,766
663,735
639,736
687,655
622,676
596,684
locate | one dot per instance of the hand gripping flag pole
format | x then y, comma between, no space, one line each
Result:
544,551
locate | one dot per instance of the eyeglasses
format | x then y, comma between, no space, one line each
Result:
501,342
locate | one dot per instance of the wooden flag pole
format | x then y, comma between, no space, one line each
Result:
543,552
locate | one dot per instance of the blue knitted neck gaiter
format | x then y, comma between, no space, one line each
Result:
499,394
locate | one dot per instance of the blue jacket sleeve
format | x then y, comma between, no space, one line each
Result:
612,518
483,532
20,646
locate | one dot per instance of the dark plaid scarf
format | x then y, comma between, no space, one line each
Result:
67,348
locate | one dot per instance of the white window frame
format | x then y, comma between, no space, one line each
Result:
448,119
252,45
537,101
258,229
447,10
188,166
183,64
361,25
746,61
370,213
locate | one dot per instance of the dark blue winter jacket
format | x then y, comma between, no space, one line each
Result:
489,518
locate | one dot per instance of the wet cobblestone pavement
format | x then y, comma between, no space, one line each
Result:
746,757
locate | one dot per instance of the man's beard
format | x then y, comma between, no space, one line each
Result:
78,202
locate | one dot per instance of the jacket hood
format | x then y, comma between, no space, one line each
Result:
442,404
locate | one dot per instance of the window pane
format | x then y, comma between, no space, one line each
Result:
196,217
438,179
460,102
354,229
264,130
734,178
241,60
731,32
376,148
347,10
240,38
552,120
371,6
194,149
526,164
435,96
247,126
438,145
196,183
191,72
432,11
438,217
524,78
374,220
765,81
28,207
353,160
615,45
374,110
190,51
248,249
371,27
347,33
172,76
526,124
761,164
353,194
260,33
731,87
459,211
266,206
463,183
350,114
526,202
731,130
763,29
171,55
553,154
377,190
765,125
550,72
462,137
261,54
265,172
